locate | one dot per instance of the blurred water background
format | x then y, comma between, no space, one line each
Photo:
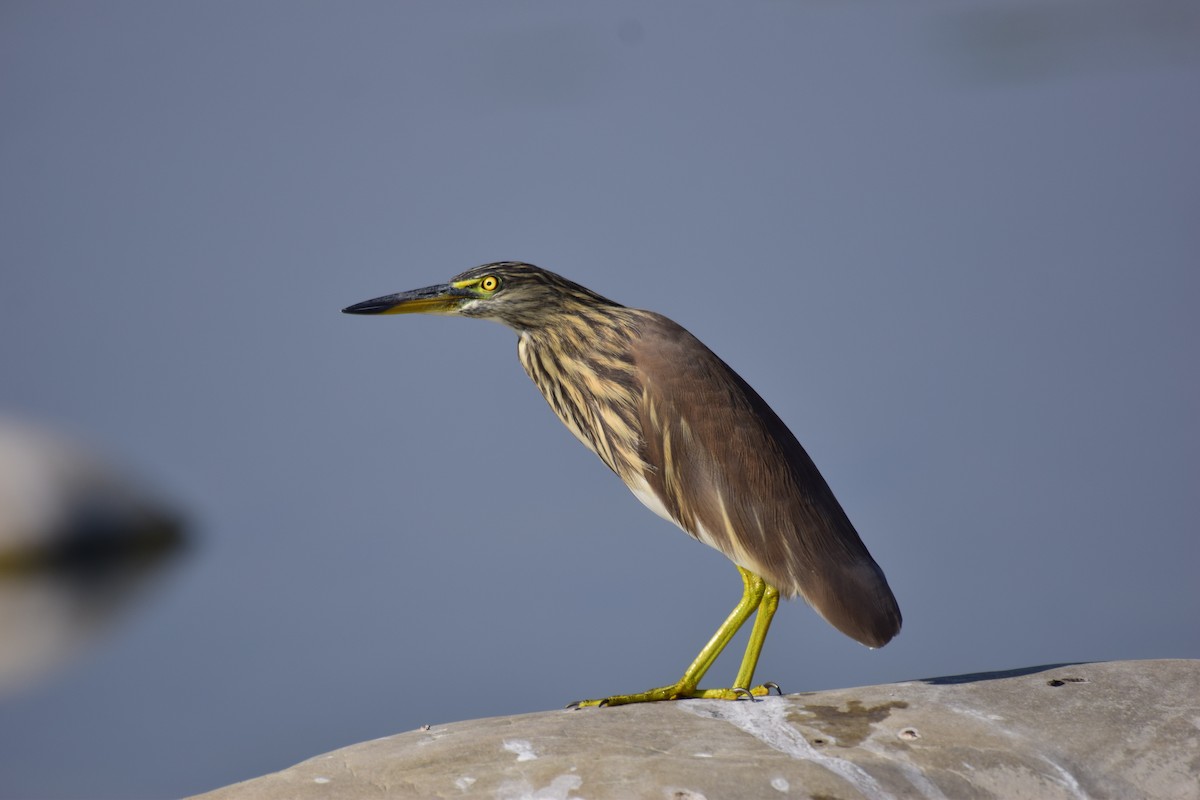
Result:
955,247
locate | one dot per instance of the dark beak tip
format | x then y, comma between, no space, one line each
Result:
367,307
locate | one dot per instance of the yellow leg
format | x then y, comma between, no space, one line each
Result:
752,592
758,635
756,595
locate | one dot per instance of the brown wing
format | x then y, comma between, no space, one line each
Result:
731,474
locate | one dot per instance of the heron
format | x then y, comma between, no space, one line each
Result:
693,442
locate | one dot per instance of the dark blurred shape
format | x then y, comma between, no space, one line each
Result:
78,544
1037,41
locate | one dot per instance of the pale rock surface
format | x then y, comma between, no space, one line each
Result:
1128,729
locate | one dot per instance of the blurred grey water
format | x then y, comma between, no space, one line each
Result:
955,249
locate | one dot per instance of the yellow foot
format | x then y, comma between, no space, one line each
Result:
679,691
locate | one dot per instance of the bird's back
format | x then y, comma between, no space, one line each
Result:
698,445
732,474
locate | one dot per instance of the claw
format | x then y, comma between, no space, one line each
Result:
739,691
578,704
601,703
773,685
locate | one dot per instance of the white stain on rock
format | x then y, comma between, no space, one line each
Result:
464,782
559,789
1064,777
521,747
780,784
912,773
766,720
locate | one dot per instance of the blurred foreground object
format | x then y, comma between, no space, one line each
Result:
77,543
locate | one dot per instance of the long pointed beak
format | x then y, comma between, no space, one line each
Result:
441,299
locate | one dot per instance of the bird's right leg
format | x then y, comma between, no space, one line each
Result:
753,590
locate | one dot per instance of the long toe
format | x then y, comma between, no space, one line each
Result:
674,692
680,692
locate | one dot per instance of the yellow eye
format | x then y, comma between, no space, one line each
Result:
489,283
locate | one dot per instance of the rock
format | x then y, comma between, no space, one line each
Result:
1125,729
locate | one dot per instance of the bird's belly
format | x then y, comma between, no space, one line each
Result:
729,544
642,491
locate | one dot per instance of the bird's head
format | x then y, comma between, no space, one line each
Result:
519,295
